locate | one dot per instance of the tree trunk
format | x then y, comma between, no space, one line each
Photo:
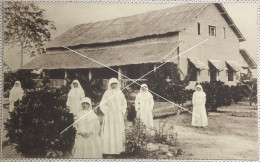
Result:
21,63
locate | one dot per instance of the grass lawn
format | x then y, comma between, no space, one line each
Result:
232,134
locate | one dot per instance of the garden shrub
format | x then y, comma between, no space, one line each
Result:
218,94
36,123
250,90
157,81
24,76
177,93
137,138
238,93
165,135
174,89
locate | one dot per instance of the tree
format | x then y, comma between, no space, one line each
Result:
25,26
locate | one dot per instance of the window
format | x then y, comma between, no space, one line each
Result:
230,75
193,72
213,74
198,28
212,30
224,29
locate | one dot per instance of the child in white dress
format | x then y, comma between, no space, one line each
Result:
88,141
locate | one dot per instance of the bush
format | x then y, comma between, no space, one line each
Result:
177,93
174,88
136,138
24,76
250,90
157,81
165,136
218,94
238,93
36,123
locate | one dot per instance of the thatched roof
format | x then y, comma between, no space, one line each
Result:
250,61
158,22
109,56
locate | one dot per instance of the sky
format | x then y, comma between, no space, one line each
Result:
67,15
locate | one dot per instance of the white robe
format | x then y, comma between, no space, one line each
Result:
199,101
74,98
89,147
144,104
16,93
113,127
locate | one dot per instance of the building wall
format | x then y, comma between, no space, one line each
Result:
216,48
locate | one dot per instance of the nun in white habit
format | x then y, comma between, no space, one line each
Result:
199,115
113,105
144,104
75,96
16,93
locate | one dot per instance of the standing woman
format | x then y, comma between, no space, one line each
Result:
16,93
113,105
199,115
75,96
144,106
87,142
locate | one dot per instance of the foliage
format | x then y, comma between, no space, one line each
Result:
177,93
238,93
250,88
218,94
165,135
26,26
24,76
137,138
93,88
166,82
131,113
36,123
157,81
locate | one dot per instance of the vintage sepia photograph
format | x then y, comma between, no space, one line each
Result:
130,81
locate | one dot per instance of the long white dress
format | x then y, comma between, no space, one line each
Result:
144,104
113,127
89,147
16,93
74,98
199,115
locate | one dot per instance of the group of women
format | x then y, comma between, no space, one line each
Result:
88,143
93,140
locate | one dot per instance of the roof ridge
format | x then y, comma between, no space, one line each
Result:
117,46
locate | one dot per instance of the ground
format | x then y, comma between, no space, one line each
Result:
232,134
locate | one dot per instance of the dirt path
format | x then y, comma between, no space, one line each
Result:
226,137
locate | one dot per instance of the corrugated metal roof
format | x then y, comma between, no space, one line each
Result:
109,56
250,61
218,64
235,65
197,63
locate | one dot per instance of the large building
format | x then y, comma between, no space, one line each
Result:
136,44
